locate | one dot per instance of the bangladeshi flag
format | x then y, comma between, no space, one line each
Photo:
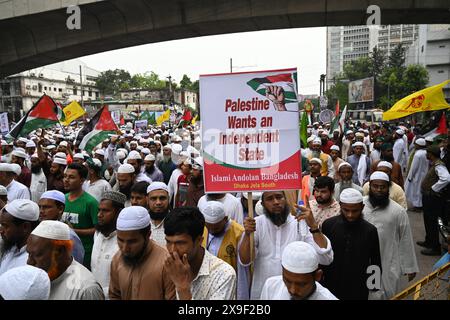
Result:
43,114
97,130
285,80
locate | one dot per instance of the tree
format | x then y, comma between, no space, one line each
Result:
185,82
148,80
415,78
112,81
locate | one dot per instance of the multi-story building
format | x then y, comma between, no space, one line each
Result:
432,50
61,81
389,36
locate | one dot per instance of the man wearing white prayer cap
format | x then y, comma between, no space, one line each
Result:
196,188
100,155
221,237
166,165
394,233
135,159
50,248
315,166
17,219
327,168
417,170
400,149
78,158
138,258
16,190
18,157
335,152
24,283
56,175
360,163
126,177
38,179
300,276
51,207
355,246
396,192
345,171
256,196
151,170
3,196
158,208
30,147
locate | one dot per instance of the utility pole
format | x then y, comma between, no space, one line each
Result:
231,65
81,85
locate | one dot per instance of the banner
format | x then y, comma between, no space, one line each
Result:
115,115
428,99
360,90
4,125
140,125
250,131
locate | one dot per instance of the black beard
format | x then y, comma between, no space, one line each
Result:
150,170
324,201
388,158
6,246
134,261
159,216
105,228
126,190
277,219
197,180
36,169
378,201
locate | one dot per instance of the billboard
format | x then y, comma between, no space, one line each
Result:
250,129
360,90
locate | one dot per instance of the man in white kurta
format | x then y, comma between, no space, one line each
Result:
38,179
396,243
271,239
416,174
400,149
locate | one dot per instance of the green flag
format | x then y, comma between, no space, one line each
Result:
152,118
303,129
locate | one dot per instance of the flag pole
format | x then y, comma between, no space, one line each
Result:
252,235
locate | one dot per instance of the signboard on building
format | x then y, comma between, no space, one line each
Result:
361,90
250,134
4,125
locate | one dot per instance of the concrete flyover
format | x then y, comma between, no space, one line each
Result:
34,32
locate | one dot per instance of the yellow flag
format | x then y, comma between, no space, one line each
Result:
428,99
193,121
164,117
72,112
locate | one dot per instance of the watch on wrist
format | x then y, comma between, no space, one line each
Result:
314,230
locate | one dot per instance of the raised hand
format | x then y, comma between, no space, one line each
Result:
276,95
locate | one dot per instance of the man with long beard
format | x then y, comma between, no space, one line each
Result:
167,166
17,221
394,232
158,208
196,188
346,172
105,237
274,230
151,170
38,180
388,155
300,276
360,164
55,179
125,179
327,168
137,269
50,248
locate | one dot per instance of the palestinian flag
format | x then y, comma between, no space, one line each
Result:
43,114
97,130
287,81
441,130
186,118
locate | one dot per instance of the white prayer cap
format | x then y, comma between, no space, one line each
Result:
360,130
400,132
167,146
51,229
317,141
50,147
19,152
126,168
142,140
54,195
198,163
351,195
317,160
384,164
120,155
256,196
379,175
259,209
335,147
149,157
133,218
25,283
78,156
299,257
60,161
6,167
23,140
16,168
63,144
34,155
100,152
315,123
177,139
23,209
344,164
213,211
421,142
145,150
133,142
139,148
157,185
3,191
309,130
348,132
336,130
61,155
358,144
429,139
30,144
125,151
359,134
134,155
177,148
97,162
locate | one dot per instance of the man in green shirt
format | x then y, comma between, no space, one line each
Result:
81,208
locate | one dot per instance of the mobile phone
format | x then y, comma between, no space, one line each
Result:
300,203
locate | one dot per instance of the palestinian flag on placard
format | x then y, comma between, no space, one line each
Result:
287,81
97,130
43,114
186,118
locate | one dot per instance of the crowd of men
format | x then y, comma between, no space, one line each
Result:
131,219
